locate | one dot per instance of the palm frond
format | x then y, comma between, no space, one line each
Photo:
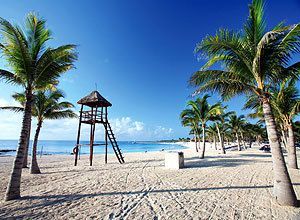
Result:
255,26
9,77
54,62
12,108
61,114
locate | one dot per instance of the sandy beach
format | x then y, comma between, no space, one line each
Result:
237,185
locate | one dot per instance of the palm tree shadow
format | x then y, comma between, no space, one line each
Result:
266,155
219,162
52,200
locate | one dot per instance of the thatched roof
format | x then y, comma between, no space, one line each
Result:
94,99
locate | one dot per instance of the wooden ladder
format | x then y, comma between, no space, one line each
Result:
114,143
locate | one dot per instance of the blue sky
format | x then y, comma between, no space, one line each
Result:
138,52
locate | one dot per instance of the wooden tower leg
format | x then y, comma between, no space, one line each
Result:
92,138
106,134
78,136
106,144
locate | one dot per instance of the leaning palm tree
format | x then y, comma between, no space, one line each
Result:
253,60
33,66
297,131
235,125
251,132
212,132
286,104
46,106
221,119
204,112
190,119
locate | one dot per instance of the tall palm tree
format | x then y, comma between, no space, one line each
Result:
213,134
251,132
46,106
286,106
221,119
235,124
297,131
253,60
286,103
190,119
204,112
33,66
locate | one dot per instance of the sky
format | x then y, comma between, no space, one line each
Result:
137,53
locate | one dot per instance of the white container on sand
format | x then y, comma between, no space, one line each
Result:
174,160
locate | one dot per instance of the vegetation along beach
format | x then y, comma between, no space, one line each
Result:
150,110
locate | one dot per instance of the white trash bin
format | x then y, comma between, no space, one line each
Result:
174,160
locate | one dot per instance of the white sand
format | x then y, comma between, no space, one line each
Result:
235,186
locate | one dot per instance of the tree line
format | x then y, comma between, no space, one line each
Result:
259,63
36,68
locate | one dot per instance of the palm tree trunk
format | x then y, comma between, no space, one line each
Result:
203,140
238,141
291,149
284,138
13,188
34,169
196,142
221,139
283,188
215,143
243,140
25,163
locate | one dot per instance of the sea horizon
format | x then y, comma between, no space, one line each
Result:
65,147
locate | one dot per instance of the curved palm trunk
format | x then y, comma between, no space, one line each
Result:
238,141
221,140
13,188
250,143
25,163
215,142
243,140
291,149
203,140
283,188
284,138
34,168
196,145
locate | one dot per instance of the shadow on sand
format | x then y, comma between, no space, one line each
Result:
195,162
52,200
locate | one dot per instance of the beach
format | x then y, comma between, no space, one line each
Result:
237,185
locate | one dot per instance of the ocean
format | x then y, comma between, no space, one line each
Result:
66,147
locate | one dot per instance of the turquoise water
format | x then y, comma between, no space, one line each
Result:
66,147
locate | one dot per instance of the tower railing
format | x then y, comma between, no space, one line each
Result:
93,115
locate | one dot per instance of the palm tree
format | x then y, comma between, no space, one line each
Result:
213,134
297,131
221,119
286,103
33,66
251,132
253,60
204,112
46,106
189,119
235,124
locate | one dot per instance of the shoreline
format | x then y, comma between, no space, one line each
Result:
181,146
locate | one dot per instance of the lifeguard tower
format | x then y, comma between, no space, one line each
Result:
94,111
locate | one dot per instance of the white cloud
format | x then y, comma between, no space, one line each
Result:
11,102
9,122
125,128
